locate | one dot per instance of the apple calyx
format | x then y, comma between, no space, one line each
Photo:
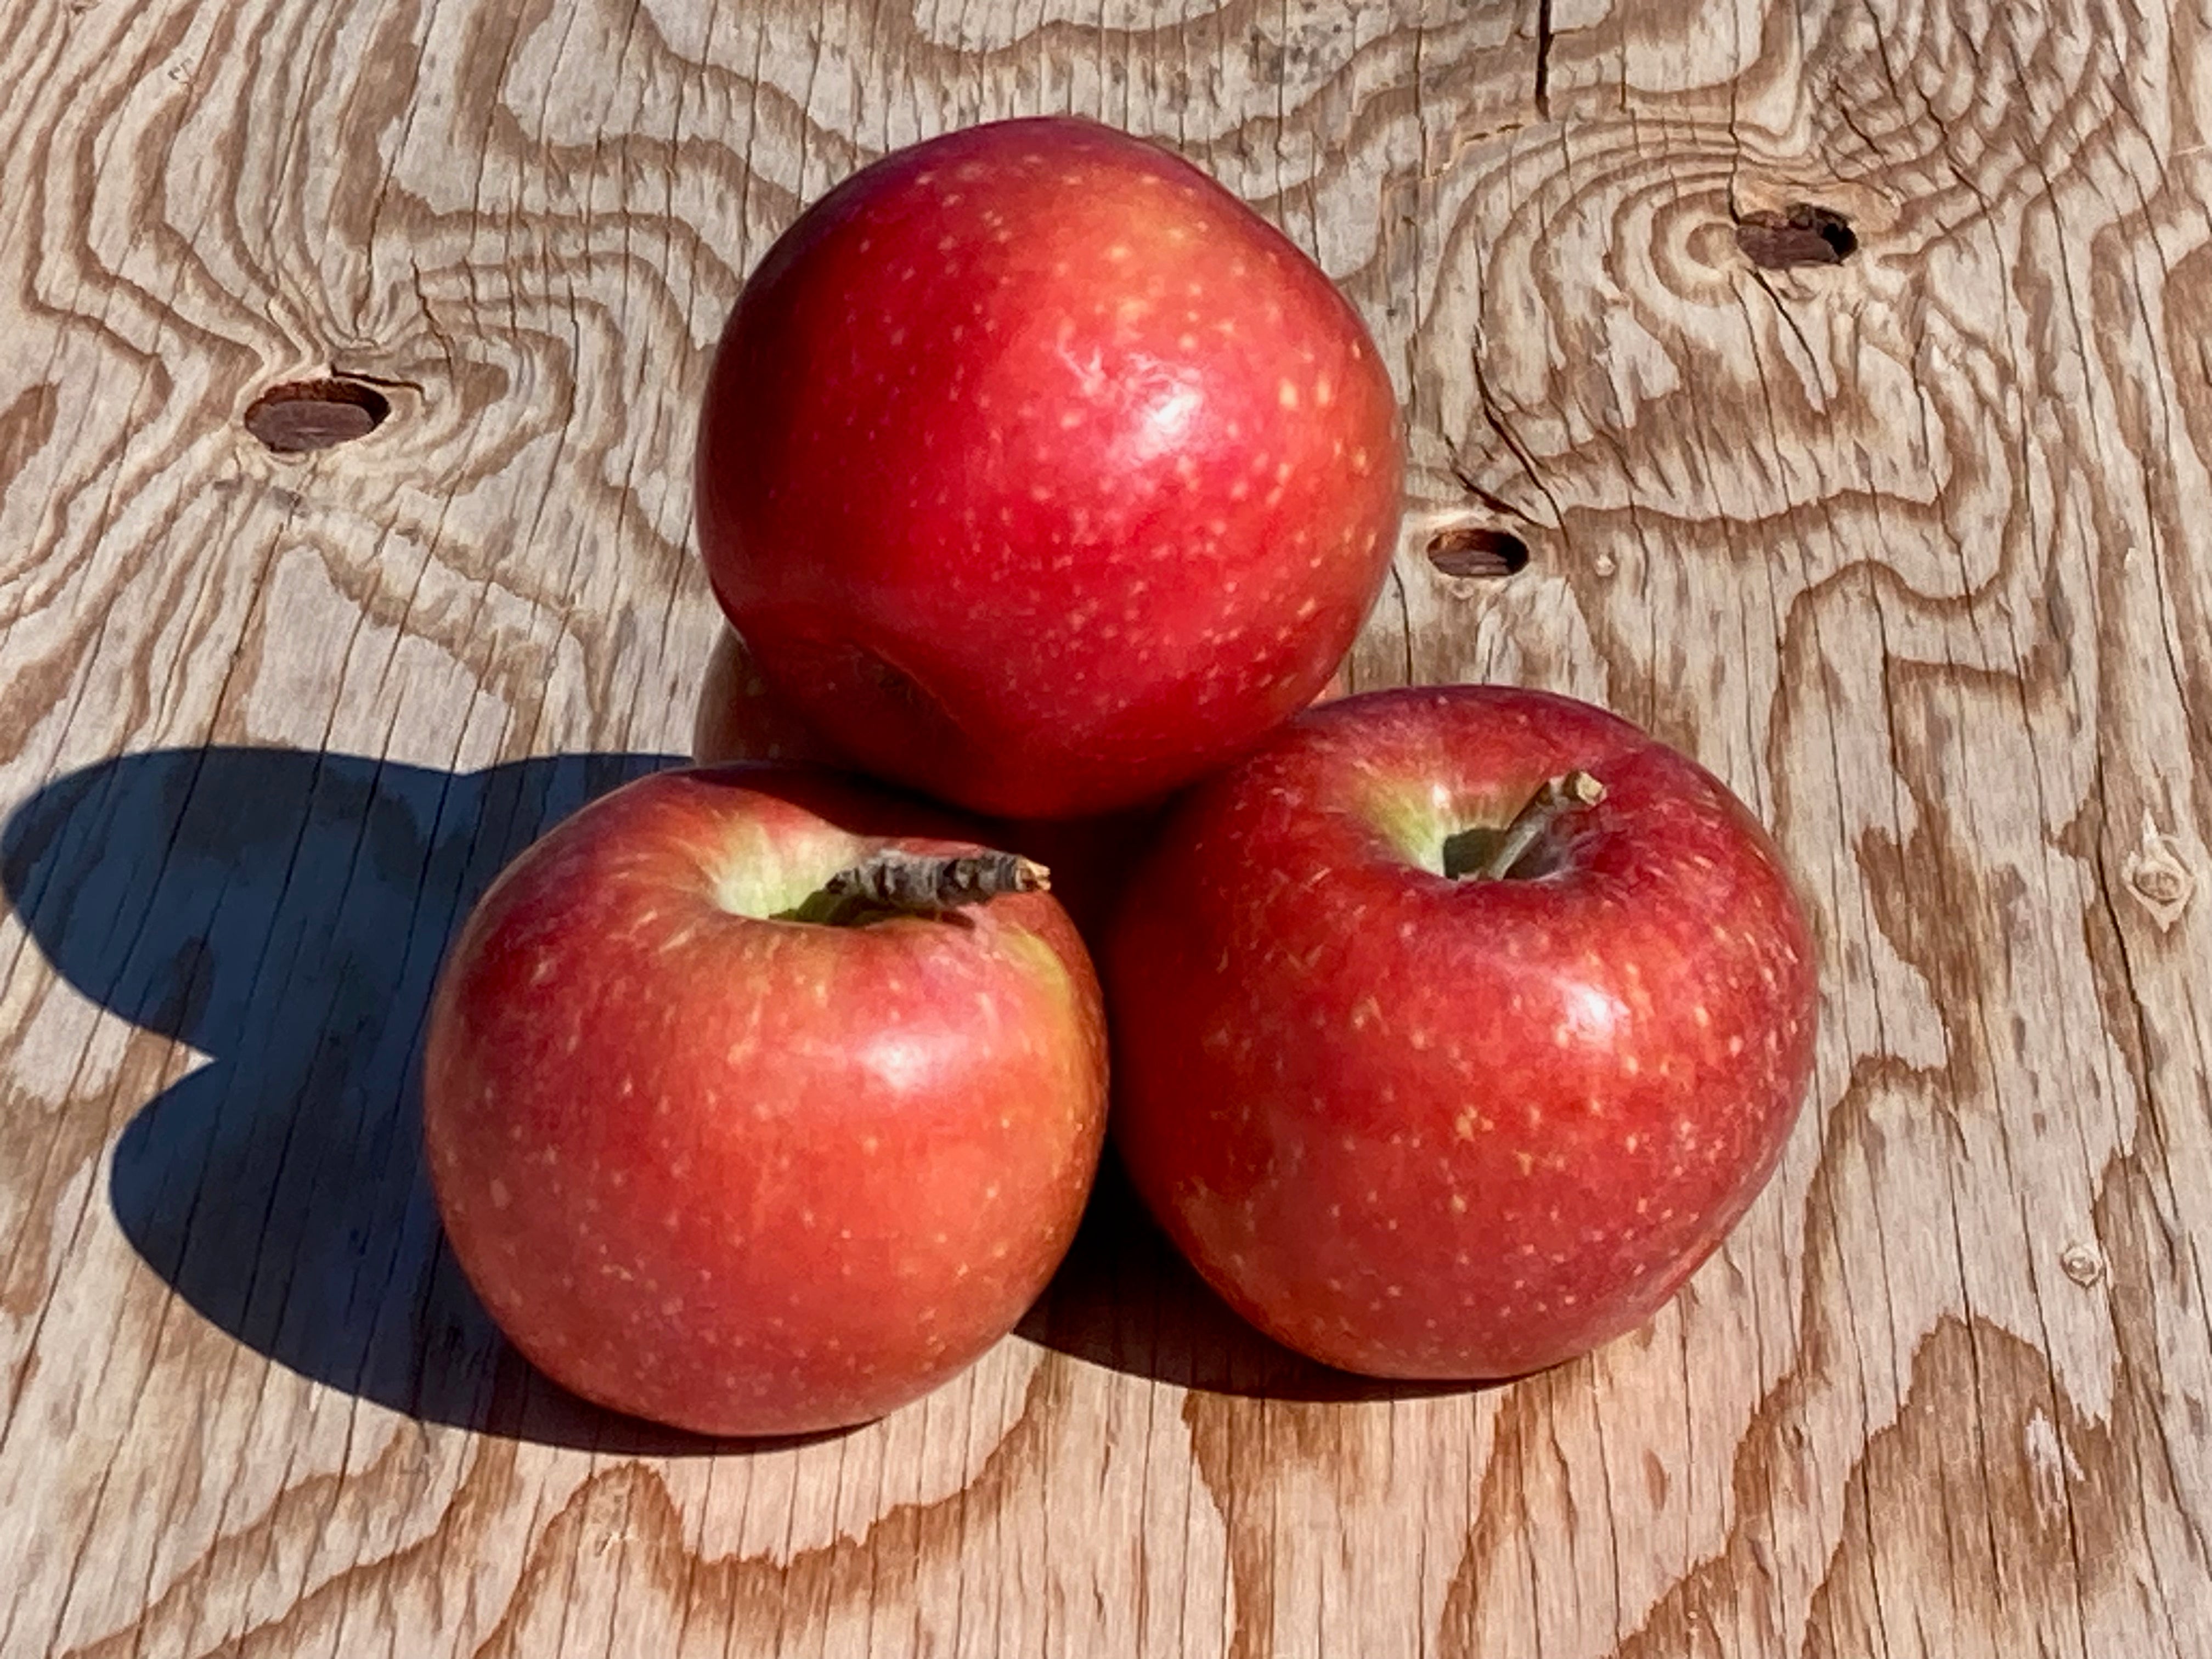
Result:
894,883
1476,856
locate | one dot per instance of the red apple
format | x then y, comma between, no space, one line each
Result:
1422,1122
742,1173
1042,474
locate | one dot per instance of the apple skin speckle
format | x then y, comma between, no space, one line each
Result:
1630,1032
842,470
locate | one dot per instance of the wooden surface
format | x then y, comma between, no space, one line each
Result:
1910,547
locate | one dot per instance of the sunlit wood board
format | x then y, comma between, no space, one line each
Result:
1842,371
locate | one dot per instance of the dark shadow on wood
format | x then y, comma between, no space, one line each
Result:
285,914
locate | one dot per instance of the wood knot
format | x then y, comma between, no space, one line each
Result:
2080,1263
1467,551
1800,235
308,415
2158,877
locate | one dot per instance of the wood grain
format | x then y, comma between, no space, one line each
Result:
1908,545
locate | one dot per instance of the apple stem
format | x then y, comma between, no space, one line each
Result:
1553,800
898,882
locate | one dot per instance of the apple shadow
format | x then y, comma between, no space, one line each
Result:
285,914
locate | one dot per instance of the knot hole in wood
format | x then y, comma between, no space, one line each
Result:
1800,235
1465,551
308,415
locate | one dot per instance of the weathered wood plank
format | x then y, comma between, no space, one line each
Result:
1906,544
